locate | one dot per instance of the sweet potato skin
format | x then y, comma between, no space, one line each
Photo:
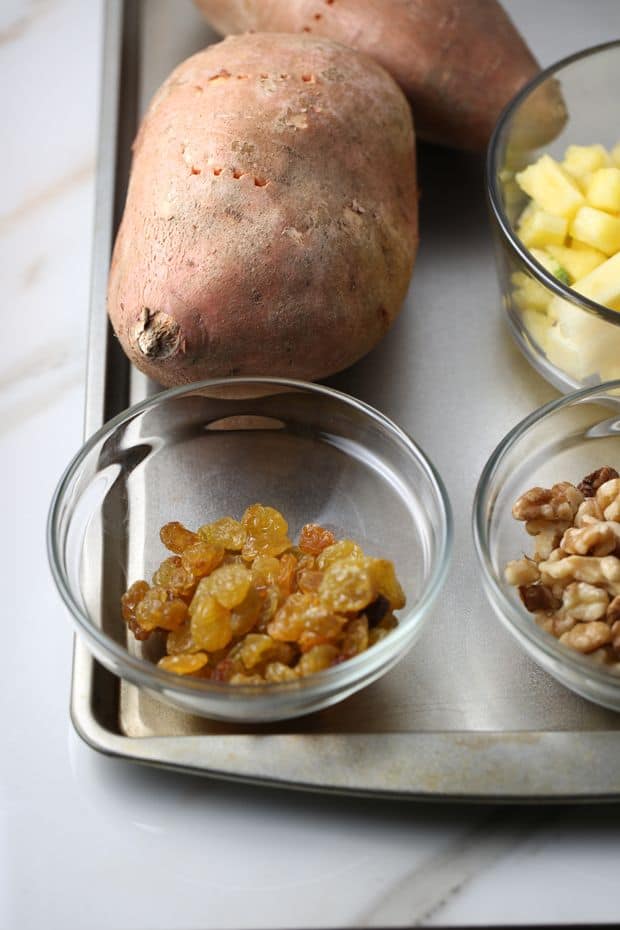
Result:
271,217
458,61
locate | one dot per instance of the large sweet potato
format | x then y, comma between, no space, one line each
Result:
458,61
271,218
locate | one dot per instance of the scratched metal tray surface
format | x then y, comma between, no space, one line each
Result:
466,715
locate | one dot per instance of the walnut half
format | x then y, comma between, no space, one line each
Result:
560,502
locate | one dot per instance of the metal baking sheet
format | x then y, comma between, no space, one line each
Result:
466,714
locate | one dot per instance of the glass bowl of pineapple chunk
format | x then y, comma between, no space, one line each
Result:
556,212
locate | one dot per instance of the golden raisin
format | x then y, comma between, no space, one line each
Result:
265,545
314,538
345,549
309,582
129,604
257,648
265,570
271,602
348,585
226,668
327,631
131,598
178,641
317,659
229,584
300,612
286,575
201,559
241,679
355,639
387,583
157,610
277,671
246,614
174,577
305,561
267,532
225,533
184,664
210,624
381,630
376,611
259,520
176,537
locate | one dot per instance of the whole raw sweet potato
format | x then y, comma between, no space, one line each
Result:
271,218
458,61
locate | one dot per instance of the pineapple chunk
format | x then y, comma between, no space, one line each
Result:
615,155
513,195
580,343
603,189
551,187
538,228
537,326
563,340
530,295
579,260
551,264
597,229
603,284
581,160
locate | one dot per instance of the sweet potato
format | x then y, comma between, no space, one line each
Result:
458,61
271,218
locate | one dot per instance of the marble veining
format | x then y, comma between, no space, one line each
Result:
18,25
421,895
39,199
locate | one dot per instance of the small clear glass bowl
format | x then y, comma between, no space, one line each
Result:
584,348
200,452
562,441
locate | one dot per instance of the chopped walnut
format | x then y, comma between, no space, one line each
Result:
586,637
557,503
608,498
596,539
592,482
545,621
603,571
613,613
585,601
603,656
538,597
521,572
589,512
562,623
555,624
547,534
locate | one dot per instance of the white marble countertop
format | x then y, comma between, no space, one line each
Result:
90,842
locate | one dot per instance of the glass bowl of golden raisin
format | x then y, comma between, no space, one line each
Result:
547,533
250,550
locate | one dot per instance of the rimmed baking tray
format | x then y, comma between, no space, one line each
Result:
466,715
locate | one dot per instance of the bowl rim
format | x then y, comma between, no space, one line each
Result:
519,620
494,199
146,673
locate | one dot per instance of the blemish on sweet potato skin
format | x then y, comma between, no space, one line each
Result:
248,266
157,335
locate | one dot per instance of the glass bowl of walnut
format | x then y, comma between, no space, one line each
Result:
250,550
547,534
